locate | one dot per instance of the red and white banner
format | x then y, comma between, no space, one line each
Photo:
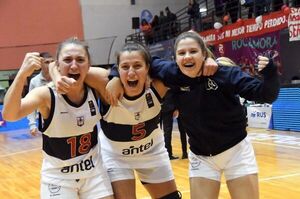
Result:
294,24
244,28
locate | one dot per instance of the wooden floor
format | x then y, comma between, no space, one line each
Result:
278,156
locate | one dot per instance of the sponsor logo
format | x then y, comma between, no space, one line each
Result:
136,150
211,85
109,170
185,89
149,100
137,115
92,108
84,165
195,163
64,112
53,188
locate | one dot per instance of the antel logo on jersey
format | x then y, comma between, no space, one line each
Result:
136,150
84,165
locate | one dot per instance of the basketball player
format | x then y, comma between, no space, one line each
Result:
40,79
72,165
131,140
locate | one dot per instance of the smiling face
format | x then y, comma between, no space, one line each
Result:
190,52
73,62
189,57
133,72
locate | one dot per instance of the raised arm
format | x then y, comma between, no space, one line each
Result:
96,78
62,83
114,90
14,106
32,116
168,72
271,86
164,70
263,90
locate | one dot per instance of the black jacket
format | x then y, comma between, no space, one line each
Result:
209,106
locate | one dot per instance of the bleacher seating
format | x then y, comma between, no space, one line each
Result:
286,110
207,20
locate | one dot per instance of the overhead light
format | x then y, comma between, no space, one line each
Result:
203,10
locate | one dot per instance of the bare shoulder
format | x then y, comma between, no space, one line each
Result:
40,95
97,78
41,91
99,71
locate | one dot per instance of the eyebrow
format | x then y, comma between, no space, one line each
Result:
190,48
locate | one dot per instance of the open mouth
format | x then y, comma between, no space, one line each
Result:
189,65
74,76
132,83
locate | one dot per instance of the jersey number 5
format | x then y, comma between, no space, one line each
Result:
138,131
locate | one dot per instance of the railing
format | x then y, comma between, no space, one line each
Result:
204,22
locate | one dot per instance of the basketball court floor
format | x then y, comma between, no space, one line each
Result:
277,152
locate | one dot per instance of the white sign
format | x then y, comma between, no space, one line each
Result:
259,117
294,24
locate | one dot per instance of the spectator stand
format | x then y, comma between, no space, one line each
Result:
209,14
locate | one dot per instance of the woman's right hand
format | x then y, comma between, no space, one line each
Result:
31,62
63,84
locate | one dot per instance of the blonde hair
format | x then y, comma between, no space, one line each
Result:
225,61
210,54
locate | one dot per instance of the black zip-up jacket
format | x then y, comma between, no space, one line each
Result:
209,106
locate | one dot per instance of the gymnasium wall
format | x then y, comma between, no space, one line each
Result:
289,57
26,24
106,18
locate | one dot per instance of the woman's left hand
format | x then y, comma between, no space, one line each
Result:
262,62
